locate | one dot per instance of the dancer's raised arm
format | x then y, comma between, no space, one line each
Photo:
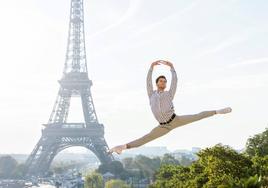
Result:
174,79
149,82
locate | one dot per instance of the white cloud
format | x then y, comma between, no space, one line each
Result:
251,81
132,9
253,61
152,26
224,44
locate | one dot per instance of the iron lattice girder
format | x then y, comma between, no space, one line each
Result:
75,81
54,140
74,84
58,134
76,53
71,131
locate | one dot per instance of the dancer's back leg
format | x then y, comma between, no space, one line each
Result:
153,134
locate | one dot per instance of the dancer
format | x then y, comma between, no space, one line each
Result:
163,109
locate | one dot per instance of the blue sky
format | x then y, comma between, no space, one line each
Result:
218,48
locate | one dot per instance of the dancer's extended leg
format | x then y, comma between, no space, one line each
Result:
181,120
153,134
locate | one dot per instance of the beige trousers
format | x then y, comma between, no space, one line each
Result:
161,130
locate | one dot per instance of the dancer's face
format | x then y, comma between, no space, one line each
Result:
161,84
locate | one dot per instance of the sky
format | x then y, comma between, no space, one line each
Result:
218,48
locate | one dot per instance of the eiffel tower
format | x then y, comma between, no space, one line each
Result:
58,134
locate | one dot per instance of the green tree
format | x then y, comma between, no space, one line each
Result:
128,162
116,184
169,159
19,171
216,166
141,166
219,161
257,149
147,165
94,180
170,176
260,165
114,167
7,166
258,144
185,161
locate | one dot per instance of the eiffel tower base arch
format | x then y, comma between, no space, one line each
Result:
54,140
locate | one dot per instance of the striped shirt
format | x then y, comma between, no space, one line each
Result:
161,101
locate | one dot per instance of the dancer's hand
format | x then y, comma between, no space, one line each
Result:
166,63
117,149
155,63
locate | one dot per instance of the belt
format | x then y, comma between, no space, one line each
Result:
172,117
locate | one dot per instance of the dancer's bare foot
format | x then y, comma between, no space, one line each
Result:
118,149
224,110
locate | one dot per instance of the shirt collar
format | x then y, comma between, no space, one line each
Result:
159,91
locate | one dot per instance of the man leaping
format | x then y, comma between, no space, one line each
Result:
163,109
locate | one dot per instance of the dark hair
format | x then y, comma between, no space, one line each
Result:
161,76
